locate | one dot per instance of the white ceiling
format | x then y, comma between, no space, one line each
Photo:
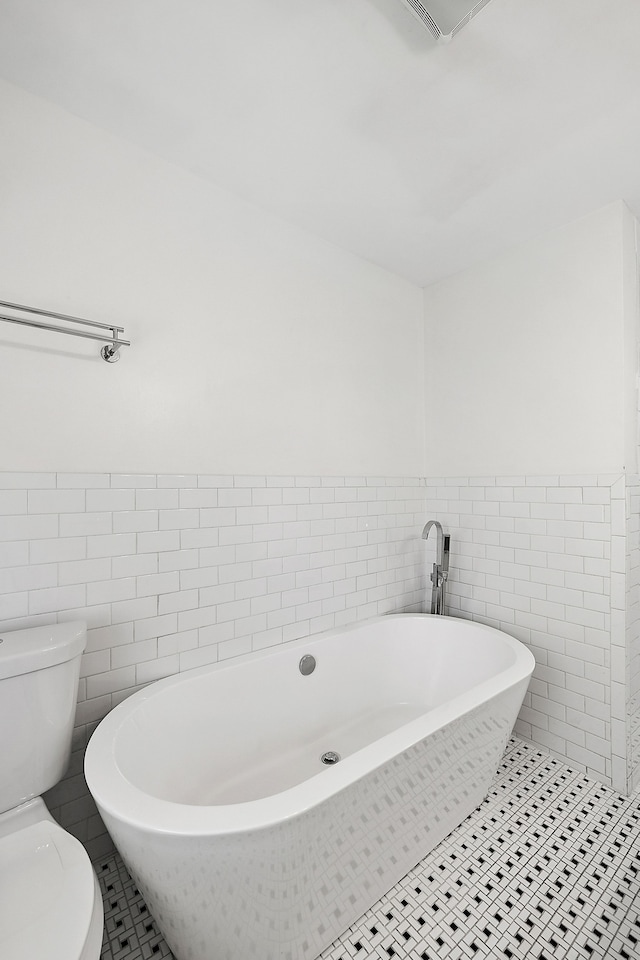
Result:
346,118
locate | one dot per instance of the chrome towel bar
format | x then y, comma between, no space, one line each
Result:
110,352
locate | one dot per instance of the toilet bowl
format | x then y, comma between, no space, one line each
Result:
50,901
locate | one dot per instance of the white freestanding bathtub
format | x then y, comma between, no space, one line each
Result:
243,843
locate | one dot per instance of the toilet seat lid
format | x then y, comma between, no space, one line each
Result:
47,894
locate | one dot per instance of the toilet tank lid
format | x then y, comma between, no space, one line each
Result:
23,651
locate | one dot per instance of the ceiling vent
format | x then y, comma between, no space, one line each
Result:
444,18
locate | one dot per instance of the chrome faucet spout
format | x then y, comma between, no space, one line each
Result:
439,535
440,571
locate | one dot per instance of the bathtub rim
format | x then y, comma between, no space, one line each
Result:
120,799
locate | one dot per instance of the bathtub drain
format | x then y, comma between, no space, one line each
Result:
330,757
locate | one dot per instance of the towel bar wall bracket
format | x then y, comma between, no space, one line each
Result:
112,344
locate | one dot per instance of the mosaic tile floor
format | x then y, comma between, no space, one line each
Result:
547,868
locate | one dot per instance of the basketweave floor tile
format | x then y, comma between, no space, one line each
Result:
547,868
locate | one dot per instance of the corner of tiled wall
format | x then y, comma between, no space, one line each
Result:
543,558
618,627
632,632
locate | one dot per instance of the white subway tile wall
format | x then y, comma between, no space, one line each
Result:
632,632
543,558
173,572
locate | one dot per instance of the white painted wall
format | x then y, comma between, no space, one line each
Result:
256,347
631,306
530,358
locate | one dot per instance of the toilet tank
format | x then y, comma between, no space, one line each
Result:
39,670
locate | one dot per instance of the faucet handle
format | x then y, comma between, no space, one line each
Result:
446,540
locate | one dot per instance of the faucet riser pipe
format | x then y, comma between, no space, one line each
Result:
440,571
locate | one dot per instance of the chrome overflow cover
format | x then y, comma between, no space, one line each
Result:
330,757
307,665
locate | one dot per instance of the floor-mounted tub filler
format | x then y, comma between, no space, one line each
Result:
262,805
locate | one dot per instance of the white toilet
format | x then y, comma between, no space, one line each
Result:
50,902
